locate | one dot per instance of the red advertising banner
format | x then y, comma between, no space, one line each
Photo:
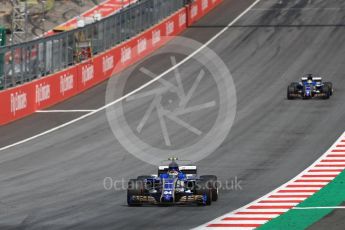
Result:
86,75
16,103
67,82
51,90
23,100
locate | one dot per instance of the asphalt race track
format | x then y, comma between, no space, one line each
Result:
56,181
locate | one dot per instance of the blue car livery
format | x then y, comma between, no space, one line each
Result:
174,184
310,87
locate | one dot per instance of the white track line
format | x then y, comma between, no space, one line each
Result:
257,215
244,221
308,183
330,207
282,198
264,210
299,9
273,204
227,228
337,153
66,111
138,89
323,173
290,194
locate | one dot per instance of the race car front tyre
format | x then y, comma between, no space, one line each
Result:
135,188
212,183
290,90
206,193
330,86
327,91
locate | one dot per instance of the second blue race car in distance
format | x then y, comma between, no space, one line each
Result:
310,87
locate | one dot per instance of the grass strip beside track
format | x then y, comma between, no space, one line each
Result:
331,196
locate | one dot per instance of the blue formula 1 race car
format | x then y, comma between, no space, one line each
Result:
310,87
174,184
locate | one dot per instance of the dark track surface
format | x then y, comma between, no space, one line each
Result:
56,181
335,220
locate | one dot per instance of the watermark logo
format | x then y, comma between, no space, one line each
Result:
42,92
232,185
142,45
19,101
182,19
87,74
108,63
156,36
126,54
187,111
66,83
170,27
204,4
194,11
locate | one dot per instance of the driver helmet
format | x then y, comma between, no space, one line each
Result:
173,169
310,78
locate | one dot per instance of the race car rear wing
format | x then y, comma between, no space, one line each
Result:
314,78
186,169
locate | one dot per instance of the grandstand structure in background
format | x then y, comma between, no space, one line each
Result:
19,21
19,17
29,60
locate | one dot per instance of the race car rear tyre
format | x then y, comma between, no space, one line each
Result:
135,188
330,86
203,189
212,182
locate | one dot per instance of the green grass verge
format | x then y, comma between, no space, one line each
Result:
331,195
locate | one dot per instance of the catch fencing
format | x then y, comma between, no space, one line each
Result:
35,59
